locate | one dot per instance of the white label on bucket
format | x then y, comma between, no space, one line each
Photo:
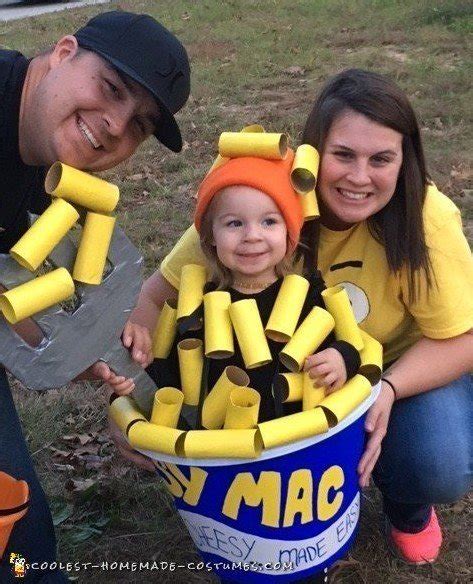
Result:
271,555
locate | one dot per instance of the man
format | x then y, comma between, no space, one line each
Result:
88,102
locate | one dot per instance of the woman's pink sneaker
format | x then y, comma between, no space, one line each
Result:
417,548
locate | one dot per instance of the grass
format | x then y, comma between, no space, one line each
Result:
253,61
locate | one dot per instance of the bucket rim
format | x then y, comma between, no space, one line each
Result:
270,453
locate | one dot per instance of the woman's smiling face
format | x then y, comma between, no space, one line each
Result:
360,165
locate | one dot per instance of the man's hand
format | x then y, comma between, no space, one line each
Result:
376,425
327,369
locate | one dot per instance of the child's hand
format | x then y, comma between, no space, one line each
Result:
327,369
120,384
137,338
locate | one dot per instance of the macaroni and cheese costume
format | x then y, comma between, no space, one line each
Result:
186,326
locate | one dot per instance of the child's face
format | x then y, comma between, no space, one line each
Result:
249,233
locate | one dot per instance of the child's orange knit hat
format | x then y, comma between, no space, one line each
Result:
272,177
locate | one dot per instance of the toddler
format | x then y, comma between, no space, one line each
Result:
249,218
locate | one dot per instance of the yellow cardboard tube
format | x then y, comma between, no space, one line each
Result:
219,160
149,436
292,428
304,169
263,145
124,411
222,444
242,409
290,386
249,331
191,290
191,363
36,295
310,207
253,128
93,248
340,403
338,304
215,404
166,329
312,395
167,406
81,188
310,334
45,233
287,309
218,326
371,358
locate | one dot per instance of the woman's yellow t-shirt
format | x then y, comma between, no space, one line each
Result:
380,298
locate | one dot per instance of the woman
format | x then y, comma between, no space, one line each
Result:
397,245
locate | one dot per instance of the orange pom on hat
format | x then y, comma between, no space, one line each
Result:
272,177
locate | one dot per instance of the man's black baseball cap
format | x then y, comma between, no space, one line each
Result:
138,46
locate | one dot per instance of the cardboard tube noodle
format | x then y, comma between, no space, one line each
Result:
338,304
340,403
218,326
304,169
81,188
191,290
215,404
307,338
36,295
290,386
191,362
166,329
249,331
263,145
287,309
371,358
312,395
310,207
242,409
124,411
219,160
292,428
36,244
167,407
93,248
222,444
156,438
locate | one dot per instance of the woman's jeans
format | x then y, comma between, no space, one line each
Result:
33,535
426,455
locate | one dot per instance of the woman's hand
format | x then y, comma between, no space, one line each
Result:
376,425
327,369
126,450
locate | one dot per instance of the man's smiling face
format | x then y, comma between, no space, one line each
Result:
87,114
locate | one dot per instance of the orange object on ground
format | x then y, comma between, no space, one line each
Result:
14,500
417,548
